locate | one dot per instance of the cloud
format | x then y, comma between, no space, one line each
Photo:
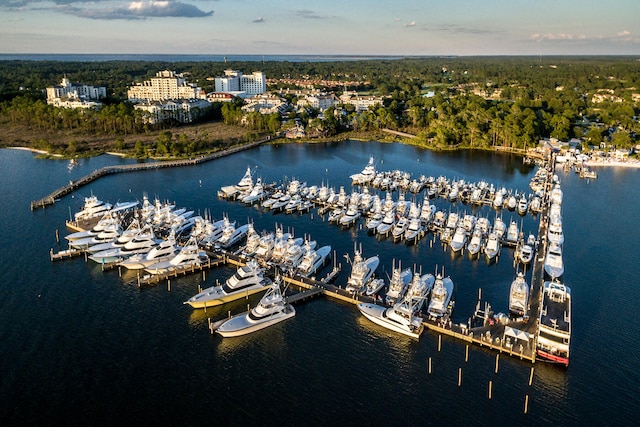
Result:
622,36
259,20
557,36
410,24
307,14
125,10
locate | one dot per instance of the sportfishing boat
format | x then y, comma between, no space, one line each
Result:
313,260
492,246
518,296
553,265
523,205
396,318
164,251
232,236
400,228
243,186
247,280
107,220
92,208
374,286
373,222
109,234
419,289
255,195
554,232
458,240
141,243
361,272
265,247
271,309
351,215
387,223
525,251
366,176
190,255
473,248
512,233
441,295
414,231
554,326
398,284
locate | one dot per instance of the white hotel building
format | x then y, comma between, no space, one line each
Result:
235,82
73,95
165,85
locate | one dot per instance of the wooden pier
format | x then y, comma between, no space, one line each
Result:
50,199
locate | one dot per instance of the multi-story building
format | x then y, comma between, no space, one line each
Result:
164,86
183,111
361,103
74,95
234,81
321,101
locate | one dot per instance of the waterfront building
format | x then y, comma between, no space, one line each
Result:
235,81
166,85
266,104
361,103
183,111
320,101
74,95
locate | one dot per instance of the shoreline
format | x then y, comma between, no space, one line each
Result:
631,164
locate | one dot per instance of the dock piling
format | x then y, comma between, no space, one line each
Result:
466,353
497,361
439,342
526,403
459,377
490,389
531,377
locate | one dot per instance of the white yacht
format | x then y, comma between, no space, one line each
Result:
335,215
458,240
232,236
526,250
518,296
141,243
523,205
374,286
164,251
107,220
92,208
351,215
243,186
361,272
499,228
247,280
313,260
110,233
265,247
366,176
419,289
473,248
190,255
441,295
554,324
373,222
553,265
295,252
554,231
271,309
512,233
556,194
414,231
387,223
394,318
400,228
398,284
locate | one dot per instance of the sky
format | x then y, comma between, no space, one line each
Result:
327,27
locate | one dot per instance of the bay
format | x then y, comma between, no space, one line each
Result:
80,346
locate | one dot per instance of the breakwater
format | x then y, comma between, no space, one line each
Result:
51,198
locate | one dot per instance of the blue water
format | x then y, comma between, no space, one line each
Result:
80,346
97,57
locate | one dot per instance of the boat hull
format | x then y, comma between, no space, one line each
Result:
240,325
552,357
375,313
226,298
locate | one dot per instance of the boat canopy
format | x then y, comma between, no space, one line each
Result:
516,333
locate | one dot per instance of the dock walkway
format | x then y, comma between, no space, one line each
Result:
109,170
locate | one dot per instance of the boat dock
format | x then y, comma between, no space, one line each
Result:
50,199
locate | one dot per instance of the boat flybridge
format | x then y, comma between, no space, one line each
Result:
400,317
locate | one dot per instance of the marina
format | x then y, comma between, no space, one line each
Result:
330,322
515,335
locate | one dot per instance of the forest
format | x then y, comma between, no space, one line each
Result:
448,102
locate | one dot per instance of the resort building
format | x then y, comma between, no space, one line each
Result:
235,81
74,95
320,101
164,86
361,103
265,104
183,111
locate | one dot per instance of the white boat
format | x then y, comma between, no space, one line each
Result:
473,248
366,176
554,231
553,265
335,215
247,280
492,247
361,272
107,220
243,186
554,324
373,222
414,231
252,242
419,289
124,237
351,215
294,203
397,284
526,250
255,195
393,318
535,206
141,243
556,194
313,260
387,223
110,233
512,233
164,251
265,247
190,255
441,295
271,309
232,236
518,296
295,252
523,205
374,286
400,228
92,208
458,240
499,228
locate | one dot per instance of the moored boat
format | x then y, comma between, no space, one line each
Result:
554,326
